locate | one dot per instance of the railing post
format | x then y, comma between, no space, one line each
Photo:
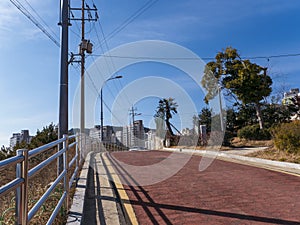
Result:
22,191
66,169
77,153
79,147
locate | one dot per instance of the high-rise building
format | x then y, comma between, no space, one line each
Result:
138,137
20,137
95,133
126,136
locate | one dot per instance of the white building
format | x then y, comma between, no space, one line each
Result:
95,133
119,136
19,137
126,136
186,132
288,97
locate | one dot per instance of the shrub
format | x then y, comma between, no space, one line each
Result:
287,137
228,137
253,132
220,138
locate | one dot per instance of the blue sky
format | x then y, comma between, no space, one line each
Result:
30,71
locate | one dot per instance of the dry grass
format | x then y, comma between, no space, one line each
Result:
236,143
37,187
243,143
270,153
274,154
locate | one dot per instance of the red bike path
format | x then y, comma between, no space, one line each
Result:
224,193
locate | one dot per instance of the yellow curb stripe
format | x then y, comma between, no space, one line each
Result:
122,193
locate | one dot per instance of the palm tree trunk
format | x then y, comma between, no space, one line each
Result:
169,127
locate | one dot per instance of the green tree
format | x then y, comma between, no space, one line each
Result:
248,81
279,114
47,135
21,145
231,121
166,107
245,115
203,118
3,152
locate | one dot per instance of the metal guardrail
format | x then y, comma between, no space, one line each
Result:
23,174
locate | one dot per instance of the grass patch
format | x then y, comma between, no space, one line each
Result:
277,155
270,153
243,143
36,188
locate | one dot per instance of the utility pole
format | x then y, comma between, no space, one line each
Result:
85,46
63,98
133,113
82,100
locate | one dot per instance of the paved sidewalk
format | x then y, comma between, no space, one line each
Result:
95,201
244,151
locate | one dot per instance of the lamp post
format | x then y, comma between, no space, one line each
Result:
101,99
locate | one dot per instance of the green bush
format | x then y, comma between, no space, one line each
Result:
286,137
253,132
228,137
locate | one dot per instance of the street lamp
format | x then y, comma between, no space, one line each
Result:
101,99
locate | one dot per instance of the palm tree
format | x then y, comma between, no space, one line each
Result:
165,109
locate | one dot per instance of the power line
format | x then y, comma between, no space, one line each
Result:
97,91
129,20
25,12
45,23
112,113
112,61
194,58
106,61
274,56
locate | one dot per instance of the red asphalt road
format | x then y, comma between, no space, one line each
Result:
225,193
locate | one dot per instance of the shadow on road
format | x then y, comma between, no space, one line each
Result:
92,201
149,205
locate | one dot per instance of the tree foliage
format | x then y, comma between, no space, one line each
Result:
45,136
248,81
203,118
253,132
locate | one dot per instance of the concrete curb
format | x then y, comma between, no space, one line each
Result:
95,200
76,210
286,166
122,195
